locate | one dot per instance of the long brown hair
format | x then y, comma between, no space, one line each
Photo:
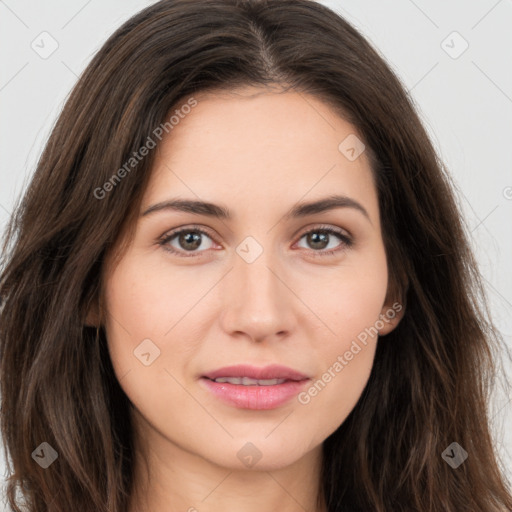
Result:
430,383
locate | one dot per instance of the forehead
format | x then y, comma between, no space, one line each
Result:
255,146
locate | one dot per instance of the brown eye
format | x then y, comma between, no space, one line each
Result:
186,240
318,240
190,240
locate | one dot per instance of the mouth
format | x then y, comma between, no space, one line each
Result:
249,387
247,381
255,373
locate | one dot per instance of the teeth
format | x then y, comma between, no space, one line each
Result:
270,382
246,381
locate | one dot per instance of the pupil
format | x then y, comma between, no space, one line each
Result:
192,238
314,238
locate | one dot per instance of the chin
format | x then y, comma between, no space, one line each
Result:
259,454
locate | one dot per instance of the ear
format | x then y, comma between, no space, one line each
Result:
93,315
390,316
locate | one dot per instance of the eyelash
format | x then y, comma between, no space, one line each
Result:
347,241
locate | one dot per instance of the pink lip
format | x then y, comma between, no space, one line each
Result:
274,371
255,397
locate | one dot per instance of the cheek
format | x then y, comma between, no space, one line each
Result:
143,302
352,299
149,328
350,308
346,366
137,304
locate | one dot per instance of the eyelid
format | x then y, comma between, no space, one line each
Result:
325,227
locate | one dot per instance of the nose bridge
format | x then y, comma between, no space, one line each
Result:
259,284
257,302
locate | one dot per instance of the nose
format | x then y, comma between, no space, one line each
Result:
257,303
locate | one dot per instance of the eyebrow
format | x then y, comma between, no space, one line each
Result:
221,212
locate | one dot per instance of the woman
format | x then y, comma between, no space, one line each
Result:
172,335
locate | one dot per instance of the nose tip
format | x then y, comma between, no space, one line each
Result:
256,303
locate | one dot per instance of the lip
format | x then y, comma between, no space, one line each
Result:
273,371
255,397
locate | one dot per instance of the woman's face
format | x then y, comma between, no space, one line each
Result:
254,289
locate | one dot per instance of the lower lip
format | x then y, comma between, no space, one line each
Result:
255,397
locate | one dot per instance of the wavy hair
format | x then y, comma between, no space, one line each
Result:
431,378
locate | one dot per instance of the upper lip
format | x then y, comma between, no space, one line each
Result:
274,371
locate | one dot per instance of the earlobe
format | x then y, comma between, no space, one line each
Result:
389,318
91,320
93,317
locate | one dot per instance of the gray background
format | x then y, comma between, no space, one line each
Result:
464,97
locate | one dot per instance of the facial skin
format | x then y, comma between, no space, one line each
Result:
257,153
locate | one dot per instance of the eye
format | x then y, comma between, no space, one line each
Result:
320,238
190,240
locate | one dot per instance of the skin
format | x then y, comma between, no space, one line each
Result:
257,152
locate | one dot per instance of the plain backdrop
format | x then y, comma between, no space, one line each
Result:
453,57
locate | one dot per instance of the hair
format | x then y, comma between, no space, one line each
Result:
431,378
